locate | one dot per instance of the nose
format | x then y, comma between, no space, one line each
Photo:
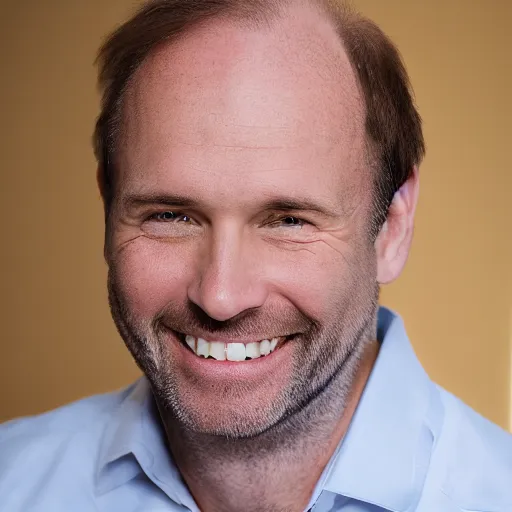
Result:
228,281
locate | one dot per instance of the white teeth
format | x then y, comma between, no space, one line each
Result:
252,350
231,351
265,347
217,351
236,352
203,347
191,342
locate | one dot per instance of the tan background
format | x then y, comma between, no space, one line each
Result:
58,342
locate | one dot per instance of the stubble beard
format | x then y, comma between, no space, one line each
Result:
323,372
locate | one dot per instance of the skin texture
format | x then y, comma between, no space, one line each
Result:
225,129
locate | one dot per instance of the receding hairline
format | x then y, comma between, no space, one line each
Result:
250,14
330,50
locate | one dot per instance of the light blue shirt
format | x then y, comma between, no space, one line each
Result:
411,447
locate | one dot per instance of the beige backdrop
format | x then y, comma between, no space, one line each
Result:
58,342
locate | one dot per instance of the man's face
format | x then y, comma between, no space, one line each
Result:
241,214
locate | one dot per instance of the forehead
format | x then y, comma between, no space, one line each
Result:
234,102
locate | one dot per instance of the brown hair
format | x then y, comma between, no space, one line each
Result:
393,124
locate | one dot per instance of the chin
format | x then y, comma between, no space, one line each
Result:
232,413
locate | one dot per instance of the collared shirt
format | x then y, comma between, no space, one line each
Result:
411,447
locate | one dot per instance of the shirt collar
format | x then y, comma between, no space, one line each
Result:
134,442
381,460
384,456
117,463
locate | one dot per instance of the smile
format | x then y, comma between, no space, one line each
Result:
226,351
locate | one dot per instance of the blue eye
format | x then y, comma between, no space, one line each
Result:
286,221
166,216
292,221
170,216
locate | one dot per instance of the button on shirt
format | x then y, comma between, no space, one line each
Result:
411,447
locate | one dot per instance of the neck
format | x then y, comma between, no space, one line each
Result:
255,474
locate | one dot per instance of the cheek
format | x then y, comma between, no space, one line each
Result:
150,274
317,280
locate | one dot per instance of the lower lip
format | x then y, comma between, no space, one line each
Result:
223,369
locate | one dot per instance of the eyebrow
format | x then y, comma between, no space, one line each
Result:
138,200
299,205
283,204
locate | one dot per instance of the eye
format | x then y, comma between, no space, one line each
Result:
169,216
293,221
170,225
289,221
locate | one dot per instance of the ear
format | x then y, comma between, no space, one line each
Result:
394,241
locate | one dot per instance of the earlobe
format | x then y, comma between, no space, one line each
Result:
394,241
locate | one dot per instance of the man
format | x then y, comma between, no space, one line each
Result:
258,162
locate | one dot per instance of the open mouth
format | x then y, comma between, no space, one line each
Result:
222,351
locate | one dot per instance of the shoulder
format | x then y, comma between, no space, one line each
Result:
59,426
61,445
475,459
